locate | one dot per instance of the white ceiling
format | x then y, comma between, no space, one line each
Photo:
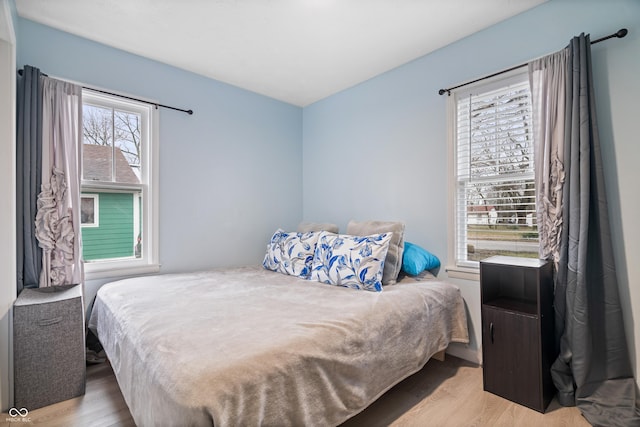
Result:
297,51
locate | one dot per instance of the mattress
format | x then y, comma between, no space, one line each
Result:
251,347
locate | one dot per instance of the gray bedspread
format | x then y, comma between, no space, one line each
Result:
250,347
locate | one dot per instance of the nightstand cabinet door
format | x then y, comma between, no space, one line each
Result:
510,348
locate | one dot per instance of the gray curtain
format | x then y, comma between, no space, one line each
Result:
58,217
593,369
28,175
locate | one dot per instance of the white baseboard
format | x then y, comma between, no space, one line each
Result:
465,352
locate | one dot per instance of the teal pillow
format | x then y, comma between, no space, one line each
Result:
416,259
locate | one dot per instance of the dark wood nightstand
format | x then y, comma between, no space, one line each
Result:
517,329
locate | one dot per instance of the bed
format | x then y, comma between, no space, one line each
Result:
276,344
247,346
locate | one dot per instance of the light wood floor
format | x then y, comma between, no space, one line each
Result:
442,394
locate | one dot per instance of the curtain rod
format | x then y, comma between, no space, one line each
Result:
619,34
190,112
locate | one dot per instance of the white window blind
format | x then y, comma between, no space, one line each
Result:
495,188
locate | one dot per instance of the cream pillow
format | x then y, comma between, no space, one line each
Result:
305,227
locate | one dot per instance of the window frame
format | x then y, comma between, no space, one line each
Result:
469,270
148,263
96,210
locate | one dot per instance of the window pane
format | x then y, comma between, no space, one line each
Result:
128,148
112,145
501,220
119,230
97,151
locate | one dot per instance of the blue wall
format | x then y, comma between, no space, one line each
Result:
379,149
229,175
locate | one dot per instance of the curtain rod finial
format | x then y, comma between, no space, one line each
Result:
443,91
622,32
190,112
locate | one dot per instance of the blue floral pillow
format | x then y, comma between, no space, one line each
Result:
353,261
291,253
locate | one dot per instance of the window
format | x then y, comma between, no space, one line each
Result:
118,193
89,210
492,162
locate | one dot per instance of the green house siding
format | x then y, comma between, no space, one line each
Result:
113,238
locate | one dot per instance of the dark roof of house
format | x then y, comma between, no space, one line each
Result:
96,165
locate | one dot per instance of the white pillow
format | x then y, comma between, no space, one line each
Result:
291,253
393,261
353,261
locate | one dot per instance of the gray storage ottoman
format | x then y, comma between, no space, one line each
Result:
48,346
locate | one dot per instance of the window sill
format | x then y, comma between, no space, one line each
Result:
107,271
466,273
